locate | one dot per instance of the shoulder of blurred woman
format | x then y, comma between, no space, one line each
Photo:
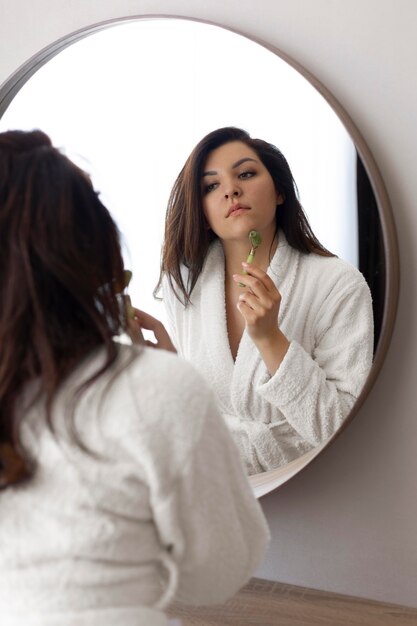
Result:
147,414
159,399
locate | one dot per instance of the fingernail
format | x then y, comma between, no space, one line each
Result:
245,264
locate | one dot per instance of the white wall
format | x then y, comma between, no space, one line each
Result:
348,523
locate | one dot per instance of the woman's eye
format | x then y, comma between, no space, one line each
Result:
248,174
210,187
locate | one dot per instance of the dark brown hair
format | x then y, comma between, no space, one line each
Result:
187,238
60,263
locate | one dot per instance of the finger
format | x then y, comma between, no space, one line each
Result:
135,332
247,312
254,270
163,340
252,301
161,334
259,309
254,285
247,281
146,321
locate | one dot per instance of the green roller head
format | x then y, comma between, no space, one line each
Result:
120,287
255,238
127,275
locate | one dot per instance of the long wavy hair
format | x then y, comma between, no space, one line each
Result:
60,270
187,238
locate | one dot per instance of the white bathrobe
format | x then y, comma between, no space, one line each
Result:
325,313
167,513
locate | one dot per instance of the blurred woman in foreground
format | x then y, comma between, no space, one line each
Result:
121,486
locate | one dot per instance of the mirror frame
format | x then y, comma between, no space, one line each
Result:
269,481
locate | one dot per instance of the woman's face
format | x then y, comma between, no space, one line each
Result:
238,193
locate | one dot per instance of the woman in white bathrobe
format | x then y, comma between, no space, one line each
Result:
285,342
121,487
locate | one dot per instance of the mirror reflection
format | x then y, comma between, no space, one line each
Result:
286,340
131,116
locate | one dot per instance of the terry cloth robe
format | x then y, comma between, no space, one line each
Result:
165,512
325,313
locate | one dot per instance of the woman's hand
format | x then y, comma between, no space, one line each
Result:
259,304
146,321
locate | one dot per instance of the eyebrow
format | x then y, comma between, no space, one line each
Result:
213,172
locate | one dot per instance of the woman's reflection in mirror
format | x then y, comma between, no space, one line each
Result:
121,484
286,341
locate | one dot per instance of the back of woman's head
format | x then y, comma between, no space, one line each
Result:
60,262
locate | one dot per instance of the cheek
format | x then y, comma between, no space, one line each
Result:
275,197
209,208
265,189
206,210
270,196
207,215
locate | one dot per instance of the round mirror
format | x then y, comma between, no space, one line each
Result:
129,113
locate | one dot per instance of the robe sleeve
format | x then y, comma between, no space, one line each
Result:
214,524
211,528
316,392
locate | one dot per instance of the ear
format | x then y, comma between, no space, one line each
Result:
280,199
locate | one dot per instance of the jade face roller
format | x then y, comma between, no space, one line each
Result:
255,240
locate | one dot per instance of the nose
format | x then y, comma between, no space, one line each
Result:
231,194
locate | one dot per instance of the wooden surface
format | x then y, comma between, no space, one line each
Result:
268,603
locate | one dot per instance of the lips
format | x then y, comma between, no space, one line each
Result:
237,207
